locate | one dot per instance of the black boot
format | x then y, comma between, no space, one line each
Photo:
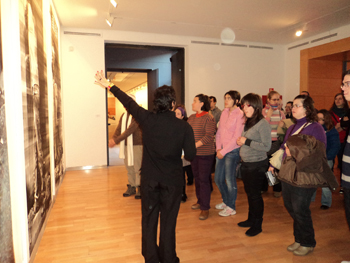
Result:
247,223
183,198
255,228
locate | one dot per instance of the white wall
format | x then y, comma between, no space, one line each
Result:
244,69
209,69
292,60
214,70
83,102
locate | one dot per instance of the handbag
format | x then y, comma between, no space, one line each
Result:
276,159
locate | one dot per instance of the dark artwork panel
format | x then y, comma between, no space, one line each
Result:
57,94
6,244
35,116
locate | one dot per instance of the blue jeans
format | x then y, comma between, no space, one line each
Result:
326,198
225,177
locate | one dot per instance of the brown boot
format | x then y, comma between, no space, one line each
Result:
204,214
138,192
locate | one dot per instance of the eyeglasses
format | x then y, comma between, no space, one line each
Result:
275,99
297,106
248,105
345,84
320,119
288,107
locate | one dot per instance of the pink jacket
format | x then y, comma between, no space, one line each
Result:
230,128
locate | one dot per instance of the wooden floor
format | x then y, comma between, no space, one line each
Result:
91,221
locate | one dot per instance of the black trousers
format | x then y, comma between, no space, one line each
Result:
253,176
297,201
159,201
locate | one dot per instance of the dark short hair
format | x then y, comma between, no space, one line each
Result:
345,73
308,105
235,95
212,97
327,119
306,92
255,101
206,102
290,102
164,97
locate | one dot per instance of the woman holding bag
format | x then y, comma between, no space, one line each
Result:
297,199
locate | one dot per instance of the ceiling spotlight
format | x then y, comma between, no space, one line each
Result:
114,3
298,33
109,20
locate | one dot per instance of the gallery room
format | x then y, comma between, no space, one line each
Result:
62,187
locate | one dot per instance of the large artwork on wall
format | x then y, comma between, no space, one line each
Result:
6,244
35,116
57,94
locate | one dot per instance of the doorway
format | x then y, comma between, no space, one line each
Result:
134,83
162,65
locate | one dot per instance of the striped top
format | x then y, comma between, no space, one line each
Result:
275,118
345,177
203,128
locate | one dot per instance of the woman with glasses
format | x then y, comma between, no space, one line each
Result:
274,116
297,199
338,111
203,125
227,152
255,141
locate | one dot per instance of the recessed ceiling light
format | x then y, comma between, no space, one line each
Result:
114,3
109,20
298,33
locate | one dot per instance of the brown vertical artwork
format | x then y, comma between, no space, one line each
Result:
57,94
6,244
35,116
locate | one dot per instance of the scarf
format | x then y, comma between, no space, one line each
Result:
129,141
340,112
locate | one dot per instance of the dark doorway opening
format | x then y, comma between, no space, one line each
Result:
163,65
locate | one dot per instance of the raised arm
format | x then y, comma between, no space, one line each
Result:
139,113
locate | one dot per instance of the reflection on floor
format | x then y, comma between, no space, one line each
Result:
114,156
91,222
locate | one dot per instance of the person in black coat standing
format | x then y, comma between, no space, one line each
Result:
164,139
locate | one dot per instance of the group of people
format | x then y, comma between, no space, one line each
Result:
246,135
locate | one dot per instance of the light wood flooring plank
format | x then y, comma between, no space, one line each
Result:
91,221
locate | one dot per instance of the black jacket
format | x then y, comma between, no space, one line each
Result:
164,136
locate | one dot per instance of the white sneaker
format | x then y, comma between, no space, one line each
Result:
228,211
221,206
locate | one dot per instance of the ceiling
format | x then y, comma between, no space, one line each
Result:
266,21
127,80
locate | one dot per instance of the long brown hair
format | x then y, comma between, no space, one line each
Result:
327,119
346,105
255,101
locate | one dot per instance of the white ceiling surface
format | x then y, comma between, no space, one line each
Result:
127,80
266,21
